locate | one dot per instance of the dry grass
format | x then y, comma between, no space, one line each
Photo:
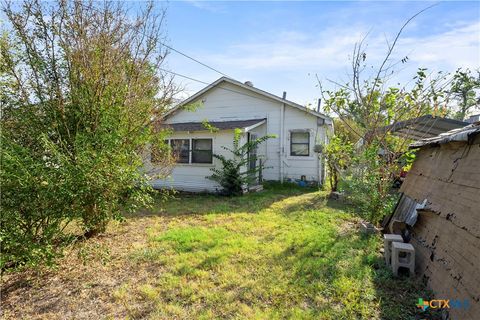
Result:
282,253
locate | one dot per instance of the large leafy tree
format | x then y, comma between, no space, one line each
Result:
81,94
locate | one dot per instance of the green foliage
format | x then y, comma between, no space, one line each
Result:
375,105
193,107
235,172
339,153
80,108
33,212
363,157
407,159
209,126
465,89
368,184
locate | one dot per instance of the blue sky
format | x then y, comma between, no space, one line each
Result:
280,46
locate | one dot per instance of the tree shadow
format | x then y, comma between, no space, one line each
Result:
352,274
183,204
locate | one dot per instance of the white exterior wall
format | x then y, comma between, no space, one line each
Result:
226,105
296,166
192,177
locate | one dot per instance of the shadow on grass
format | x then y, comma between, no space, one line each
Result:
349,271
340,272
202,204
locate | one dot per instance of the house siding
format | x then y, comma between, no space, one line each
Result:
192,177
295,166
231,102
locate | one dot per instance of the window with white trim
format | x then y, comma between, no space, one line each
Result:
180,150
190,151
300,143
202,151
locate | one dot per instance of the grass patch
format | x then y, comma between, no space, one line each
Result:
282,253
285,253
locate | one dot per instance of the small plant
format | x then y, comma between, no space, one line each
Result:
148,292
235,172
207,125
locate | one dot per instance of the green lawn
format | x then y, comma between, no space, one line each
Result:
281,253
277,254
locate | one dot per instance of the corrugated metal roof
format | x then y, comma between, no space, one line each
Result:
221,125
423,127
459,134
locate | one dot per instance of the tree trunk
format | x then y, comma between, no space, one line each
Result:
93,222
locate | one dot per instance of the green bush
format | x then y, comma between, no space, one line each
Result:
368,185
33,208
235,173
77,114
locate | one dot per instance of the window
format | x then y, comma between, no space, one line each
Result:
300,144
189,150
159,152
202,151
180,149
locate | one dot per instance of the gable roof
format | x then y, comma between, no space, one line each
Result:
249,88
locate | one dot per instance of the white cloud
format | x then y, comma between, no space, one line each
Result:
289,50
288,60
205,5
459,47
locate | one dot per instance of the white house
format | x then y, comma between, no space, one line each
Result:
226,104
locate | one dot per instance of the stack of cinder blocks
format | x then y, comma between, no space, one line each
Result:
398,254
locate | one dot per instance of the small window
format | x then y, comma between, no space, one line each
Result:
180,150
300,144
202,151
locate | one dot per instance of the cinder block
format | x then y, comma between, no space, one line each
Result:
388,238
403,255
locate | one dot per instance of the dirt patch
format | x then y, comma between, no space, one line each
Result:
85,280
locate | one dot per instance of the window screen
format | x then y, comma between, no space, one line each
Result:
201,150
300,144
180,149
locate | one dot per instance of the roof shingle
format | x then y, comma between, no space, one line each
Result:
221,125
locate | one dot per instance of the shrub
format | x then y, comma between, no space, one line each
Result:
235,173
32,208
368,185
80,94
